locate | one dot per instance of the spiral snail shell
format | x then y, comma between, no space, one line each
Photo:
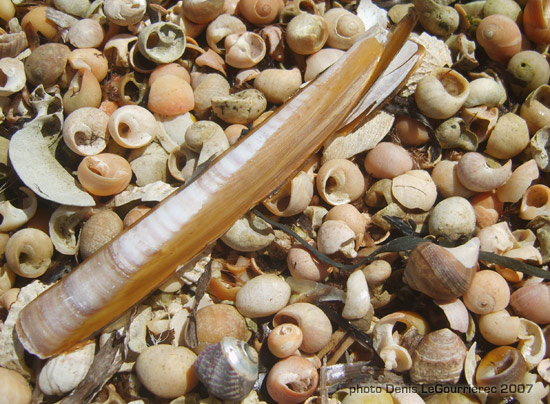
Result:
228,369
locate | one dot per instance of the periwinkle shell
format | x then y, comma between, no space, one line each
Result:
228,369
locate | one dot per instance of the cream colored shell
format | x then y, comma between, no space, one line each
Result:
132,126
13,76
29,252
64,372
85,131
13,217
346,178
244,50
124,12
262,296
415,190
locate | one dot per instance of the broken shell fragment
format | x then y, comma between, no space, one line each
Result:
104,174
357,302
13,76
335,236
162,42
124,12
293,198
13,217
206,138
242,107
244,50
84,91
228,369
85,131
501,367
518,183
535,202
223,26
476,175
29,252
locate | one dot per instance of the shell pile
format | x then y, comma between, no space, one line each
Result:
107,107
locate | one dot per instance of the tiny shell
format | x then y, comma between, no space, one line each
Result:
284,340
476,175
306,33
46,63
244,50
13,217
249,233
415,190
124,12
29,252
262,296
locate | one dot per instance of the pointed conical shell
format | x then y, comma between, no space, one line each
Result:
228,369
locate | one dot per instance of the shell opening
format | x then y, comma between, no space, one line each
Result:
123,130
300,382
3,79
536,199
152,40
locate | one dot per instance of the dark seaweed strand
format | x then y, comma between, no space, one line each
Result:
406,243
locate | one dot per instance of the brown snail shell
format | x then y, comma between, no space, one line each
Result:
434,271
502,366
228,369
438,358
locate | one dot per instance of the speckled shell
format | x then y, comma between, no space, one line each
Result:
228,369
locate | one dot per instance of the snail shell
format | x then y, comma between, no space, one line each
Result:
434,271
441,94
306,33
124,12
344,28
438,358
260,12
535,21
162,42
499,36
228,369
292,380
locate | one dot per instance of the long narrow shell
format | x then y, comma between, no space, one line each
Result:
145,255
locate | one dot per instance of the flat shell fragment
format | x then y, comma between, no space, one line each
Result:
40,171
360,140
415,190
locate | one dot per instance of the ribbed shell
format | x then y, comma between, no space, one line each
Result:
228,369
438,358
